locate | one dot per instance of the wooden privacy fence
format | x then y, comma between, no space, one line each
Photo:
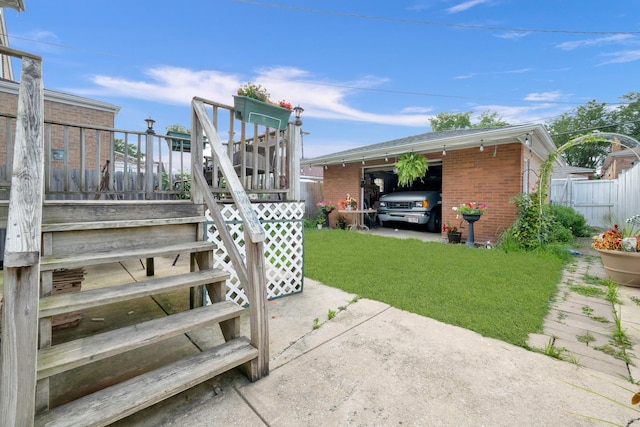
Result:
600,201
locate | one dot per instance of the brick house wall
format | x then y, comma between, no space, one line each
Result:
68,109
473,176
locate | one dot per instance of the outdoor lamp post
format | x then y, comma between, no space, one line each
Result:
297,112
150,123
148,159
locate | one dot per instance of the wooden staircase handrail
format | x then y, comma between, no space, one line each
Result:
22,249
249,217
254,280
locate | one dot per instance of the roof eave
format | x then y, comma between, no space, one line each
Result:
541,144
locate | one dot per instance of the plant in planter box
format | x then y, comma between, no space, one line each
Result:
619,249
252,105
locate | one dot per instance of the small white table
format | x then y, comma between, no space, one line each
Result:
358,223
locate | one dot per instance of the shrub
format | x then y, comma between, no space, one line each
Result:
571,220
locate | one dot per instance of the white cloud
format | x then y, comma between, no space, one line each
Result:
324,100
518,71
612,39
465,6
513,35
622,57
466,76
536,113
544,96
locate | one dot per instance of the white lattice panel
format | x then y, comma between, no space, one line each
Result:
283,249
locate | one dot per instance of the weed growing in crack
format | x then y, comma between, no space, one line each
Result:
612,292
561,316
587,310
588,291
316,323
551,350
331,314
586,338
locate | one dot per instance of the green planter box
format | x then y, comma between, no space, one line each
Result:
180,137
184,138
251,110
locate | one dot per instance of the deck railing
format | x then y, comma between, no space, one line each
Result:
92,162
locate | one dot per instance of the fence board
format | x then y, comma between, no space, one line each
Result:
600,201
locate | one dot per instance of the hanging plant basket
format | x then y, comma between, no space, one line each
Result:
411,166
250,110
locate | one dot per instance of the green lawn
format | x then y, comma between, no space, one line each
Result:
497,294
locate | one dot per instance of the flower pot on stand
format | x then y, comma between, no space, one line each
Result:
622,267
454,236
471,219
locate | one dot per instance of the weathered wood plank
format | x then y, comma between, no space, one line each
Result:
65,303
101,225
72,354
239,196
259,316
82,260
114,403
22,250
76,242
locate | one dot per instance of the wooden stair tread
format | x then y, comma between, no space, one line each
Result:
100,225
116,402
63,357
69,302
52,262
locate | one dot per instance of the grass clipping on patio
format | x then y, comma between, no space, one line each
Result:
497,294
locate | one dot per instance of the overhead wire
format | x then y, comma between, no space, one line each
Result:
435,23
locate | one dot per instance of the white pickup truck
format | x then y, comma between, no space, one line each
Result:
414,207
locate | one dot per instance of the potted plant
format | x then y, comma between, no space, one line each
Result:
349,203
252,105
619,249
471,212
320,220
341,222
326,208
453,234
411,166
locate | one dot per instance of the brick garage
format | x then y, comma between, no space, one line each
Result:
507,165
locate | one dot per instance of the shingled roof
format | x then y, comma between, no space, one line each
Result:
541,143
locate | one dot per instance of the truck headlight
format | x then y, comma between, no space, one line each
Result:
422,204
383,204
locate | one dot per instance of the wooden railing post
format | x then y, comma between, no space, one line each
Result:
295,141
22,251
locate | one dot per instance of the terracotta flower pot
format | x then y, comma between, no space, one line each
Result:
621,267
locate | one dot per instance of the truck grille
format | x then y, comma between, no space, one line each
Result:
399,205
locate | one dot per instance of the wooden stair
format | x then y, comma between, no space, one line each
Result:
105,240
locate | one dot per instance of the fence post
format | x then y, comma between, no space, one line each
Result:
295,137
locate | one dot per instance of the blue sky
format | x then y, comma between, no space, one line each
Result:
365,71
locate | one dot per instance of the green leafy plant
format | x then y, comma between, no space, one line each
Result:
255,91
321,218
411,166
471,208
316,323
331,314
586,338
